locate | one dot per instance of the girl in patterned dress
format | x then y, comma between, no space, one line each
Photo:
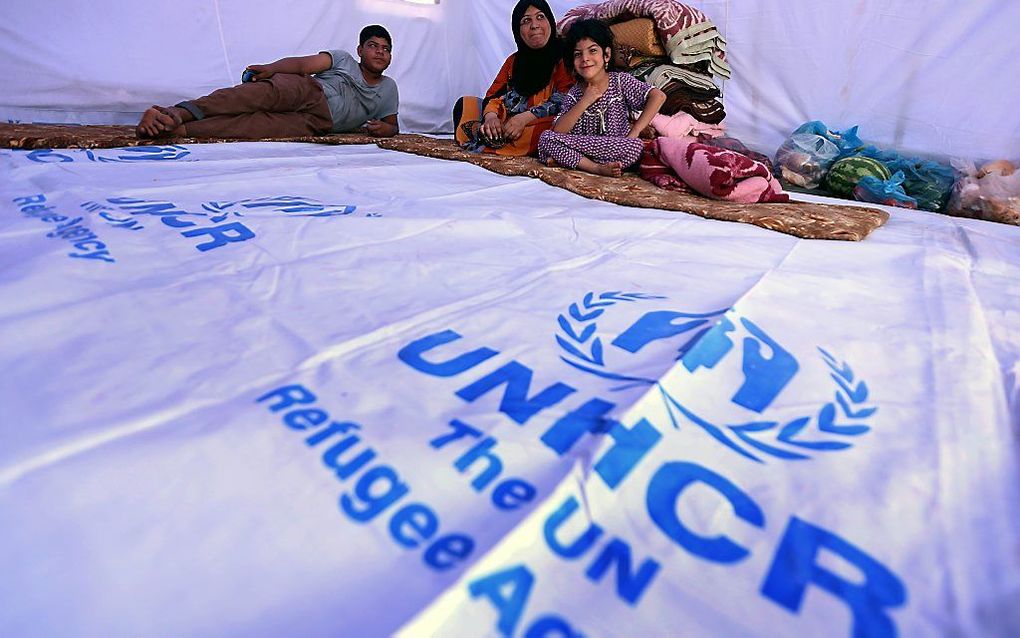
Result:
594,132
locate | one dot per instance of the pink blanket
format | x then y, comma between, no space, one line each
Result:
684,125
652,168
711,171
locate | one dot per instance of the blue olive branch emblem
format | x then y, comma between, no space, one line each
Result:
583,349
578,325
847,406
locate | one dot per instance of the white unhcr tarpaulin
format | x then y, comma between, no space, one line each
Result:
265,389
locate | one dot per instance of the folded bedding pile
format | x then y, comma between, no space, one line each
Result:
677,49
669,45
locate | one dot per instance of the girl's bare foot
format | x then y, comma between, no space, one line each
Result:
609,169
612,169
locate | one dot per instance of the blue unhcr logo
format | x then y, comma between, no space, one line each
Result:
210,223
85,242
710,349
217,211
726,376
127,155
289,205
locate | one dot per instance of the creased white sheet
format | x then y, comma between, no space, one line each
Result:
276,388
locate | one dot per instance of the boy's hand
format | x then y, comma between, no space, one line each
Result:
378,128
261,71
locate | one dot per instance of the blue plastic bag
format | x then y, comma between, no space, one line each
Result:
928,182
846,141
806,155
889,192
886,157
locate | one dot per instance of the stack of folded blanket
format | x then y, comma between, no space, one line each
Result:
677,48
669,45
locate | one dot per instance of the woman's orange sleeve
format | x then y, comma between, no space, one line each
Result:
499,85
562,79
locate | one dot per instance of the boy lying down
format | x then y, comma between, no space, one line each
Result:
329,92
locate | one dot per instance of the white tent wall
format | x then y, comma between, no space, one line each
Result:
105,65
924,76
917,75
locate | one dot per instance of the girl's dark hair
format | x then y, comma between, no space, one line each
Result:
533,68
597,30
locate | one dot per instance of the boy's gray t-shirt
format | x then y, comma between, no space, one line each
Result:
352,101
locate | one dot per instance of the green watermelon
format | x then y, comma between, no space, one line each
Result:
845,174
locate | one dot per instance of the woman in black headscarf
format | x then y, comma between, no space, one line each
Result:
527,91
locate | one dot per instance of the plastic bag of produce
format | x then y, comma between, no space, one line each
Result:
927,181
805,156
991,193
888,191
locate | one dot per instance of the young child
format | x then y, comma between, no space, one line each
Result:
284,100
593,132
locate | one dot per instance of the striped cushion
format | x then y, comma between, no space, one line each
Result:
638,34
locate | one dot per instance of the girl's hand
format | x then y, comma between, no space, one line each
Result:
592,93
491,127
261,71
653,103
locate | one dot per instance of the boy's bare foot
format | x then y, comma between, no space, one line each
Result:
159,121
